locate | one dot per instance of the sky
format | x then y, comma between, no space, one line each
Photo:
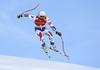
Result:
77,20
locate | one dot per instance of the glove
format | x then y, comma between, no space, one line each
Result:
19,16
58,33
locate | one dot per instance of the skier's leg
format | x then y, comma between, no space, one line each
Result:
49,34
40,34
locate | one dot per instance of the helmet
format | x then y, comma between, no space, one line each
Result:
41,13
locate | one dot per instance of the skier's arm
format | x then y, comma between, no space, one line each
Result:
26,15
53,27
30,16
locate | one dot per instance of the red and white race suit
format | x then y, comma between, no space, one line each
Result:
40,28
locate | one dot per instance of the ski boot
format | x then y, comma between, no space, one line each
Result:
53,47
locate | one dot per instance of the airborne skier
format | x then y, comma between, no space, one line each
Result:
40,21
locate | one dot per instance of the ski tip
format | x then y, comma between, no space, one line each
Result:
39,3
69,60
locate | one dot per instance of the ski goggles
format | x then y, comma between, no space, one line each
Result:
42,16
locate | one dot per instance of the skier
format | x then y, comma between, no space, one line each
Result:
40,21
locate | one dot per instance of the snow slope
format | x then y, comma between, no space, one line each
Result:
16,63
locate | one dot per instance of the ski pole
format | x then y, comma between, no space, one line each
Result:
31,9
63,47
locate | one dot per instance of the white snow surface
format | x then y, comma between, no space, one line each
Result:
17,63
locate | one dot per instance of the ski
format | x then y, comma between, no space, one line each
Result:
47,53
59,53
